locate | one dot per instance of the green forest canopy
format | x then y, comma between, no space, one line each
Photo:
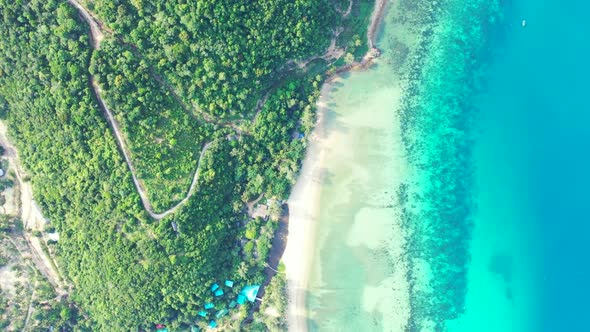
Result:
164,65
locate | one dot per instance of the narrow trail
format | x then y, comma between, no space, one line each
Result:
194,110
97,35
28,211
347,12
30,308
27,261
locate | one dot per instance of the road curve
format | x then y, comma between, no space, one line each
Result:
142,192
96,36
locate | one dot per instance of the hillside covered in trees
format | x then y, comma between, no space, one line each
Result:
178,76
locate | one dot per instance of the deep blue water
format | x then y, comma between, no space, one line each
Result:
496,123
536,101
532,161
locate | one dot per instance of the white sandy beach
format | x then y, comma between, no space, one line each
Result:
304,204
338,147
303,208
360,145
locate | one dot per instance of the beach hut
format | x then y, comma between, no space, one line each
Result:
250,292
219,292
214,287
212,324
209,306
202,313
229,283
221,313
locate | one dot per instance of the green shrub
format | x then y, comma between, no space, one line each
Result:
251,233
249,250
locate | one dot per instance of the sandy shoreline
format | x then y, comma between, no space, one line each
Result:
303,207
305,195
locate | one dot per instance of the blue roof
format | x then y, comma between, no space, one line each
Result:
202,313
250,292
241,299
229,283
219,292
212,324
214,287
233,304
209,305
221,313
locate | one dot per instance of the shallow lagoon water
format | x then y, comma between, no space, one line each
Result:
357,262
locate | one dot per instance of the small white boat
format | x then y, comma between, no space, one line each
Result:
523,23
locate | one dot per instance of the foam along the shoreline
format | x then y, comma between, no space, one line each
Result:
303,212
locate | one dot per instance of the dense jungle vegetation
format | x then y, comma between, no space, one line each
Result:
175,73
164,138
220,55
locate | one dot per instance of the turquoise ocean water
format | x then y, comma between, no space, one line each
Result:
532,156
498,133
494,199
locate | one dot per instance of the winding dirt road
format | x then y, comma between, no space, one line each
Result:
97,35
95,32
123,146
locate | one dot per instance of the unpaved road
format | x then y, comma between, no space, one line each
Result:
96,36
95,32
31,216
123,146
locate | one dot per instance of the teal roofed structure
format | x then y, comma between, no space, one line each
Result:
229,283
241,299
212,324
219,292
221,313
209,305
202,313
214,287
250,292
